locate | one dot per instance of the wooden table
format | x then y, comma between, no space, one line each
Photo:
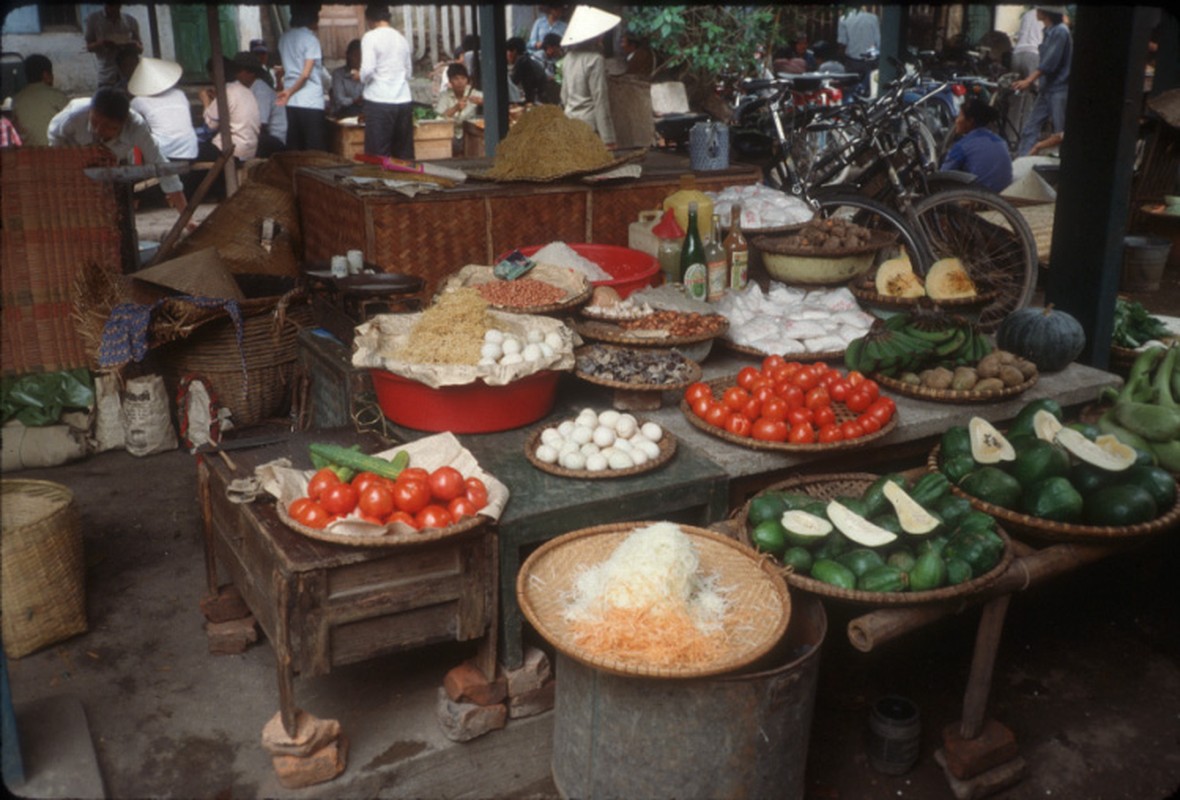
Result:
323,605
432,138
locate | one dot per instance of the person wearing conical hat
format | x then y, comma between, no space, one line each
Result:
1052,72
165,107
583,72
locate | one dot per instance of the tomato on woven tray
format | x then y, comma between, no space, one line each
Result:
788,401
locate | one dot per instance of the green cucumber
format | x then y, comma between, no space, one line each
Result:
930,488
902,559
874,496
957,571
884,578
358,461
798,559
832,572
860,560
928,573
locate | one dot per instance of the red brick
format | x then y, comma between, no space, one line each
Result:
296,772
462,722
534,702
231,637
224,606
966,758
531,675
311,734
466,683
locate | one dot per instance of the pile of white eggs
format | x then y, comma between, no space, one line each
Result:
507,348
600,441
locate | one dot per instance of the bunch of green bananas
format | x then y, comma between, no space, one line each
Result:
909,343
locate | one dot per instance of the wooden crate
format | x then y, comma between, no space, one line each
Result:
432,139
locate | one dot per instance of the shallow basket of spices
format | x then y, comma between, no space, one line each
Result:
829,486
757,606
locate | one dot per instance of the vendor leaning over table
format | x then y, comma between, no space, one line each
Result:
583,71
108,120
458,102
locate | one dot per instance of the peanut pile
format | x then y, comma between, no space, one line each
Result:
521,293
677,323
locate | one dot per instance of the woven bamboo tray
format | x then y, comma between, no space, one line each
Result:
864,289
667,445
571,301
826,487
750,582
602,331
950,396
1023,525
395,535
693,376
827,356
43,592
842,415
621,158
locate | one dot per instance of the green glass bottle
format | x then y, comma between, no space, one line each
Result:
693,270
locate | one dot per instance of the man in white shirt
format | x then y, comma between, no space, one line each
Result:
106,32
272,134
303,83
458,102
859,35
108,120
386,68
244,122
164,107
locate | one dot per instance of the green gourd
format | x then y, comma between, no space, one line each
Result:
1049,338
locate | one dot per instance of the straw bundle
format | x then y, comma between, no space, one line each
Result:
545,144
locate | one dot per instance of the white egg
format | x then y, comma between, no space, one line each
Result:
648,448
639,457
582,434
622,444
566,428
604,436
491,350
597,462
573,460
587,418
486,362
607,452
626,426
493,335
620,461
652,431
551,436
589,449
535,337
568,446
609,418
511,345
531,352
546,350
553,339
508,359
546,454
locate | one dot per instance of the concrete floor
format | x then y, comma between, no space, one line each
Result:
1088,678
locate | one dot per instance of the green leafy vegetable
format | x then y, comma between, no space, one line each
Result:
1133,325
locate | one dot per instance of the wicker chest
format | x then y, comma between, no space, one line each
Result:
437,233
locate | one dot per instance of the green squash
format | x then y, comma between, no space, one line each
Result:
1049,338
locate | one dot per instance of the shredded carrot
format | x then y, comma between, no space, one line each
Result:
662,638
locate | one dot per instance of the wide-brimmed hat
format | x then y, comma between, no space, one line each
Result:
154,75
588,22
248,61
1060,11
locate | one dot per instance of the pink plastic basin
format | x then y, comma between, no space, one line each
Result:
632,269
472,408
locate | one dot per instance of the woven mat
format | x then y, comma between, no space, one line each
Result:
1040,221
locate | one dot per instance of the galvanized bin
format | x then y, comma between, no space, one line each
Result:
736,736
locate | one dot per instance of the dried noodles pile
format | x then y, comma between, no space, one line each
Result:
450,331
546,144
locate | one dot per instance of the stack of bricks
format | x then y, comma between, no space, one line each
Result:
228,622
318,751
470,705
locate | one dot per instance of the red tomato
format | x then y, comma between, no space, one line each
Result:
413,474
817,398
800,416
411,495
839,390
806,378
404,518
773,362
823,416
764,392
701,406
477,493
855,378
447,483
801,434
313,515
697,390
775,409
363,480
752,409
852,429
322,480
433,516
377,501
739,425
339,499
735,397
872,388
830,433
747,376
769,430
718,415
297,507
858,400
461,507
793,395
884,408
870,423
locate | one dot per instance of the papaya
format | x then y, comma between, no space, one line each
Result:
992,485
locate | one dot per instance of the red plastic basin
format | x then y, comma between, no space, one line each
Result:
472,408
632,269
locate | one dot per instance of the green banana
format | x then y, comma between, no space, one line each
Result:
853,354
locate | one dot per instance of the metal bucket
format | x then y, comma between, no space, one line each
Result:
738,736
1144,259
708,146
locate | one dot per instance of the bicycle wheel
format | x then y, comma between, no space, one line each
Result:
990,237
874,215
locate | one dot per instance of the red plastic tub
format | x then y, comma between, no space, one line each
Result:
632,269
472,408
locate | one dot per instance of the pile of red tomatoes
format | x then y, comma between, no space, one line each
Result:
418,498
786,401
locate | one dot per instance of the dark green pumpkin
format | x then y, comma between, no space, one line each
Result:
1049,338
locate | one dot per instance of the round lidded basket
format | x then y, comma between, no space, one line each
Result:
43,593
749,582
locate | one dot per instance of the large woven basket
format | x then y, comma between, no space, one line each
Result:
43,592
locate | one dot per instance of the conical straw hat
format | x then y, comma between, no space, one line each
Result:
200,273
588,22
152,76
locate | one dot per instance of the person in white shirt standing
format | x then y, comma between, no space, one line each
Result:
244,122
165,107
859,34
1025,58
107,32
272,132
386,67
303,83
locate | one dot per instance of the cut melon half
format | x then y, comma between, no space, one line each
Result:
947,279
804,528
1106,452
913,517
896,278
988,445
857,528
1045,425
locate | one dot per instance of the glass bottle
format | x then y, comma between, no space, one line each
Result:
716,266
693,270
737,252
668,255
